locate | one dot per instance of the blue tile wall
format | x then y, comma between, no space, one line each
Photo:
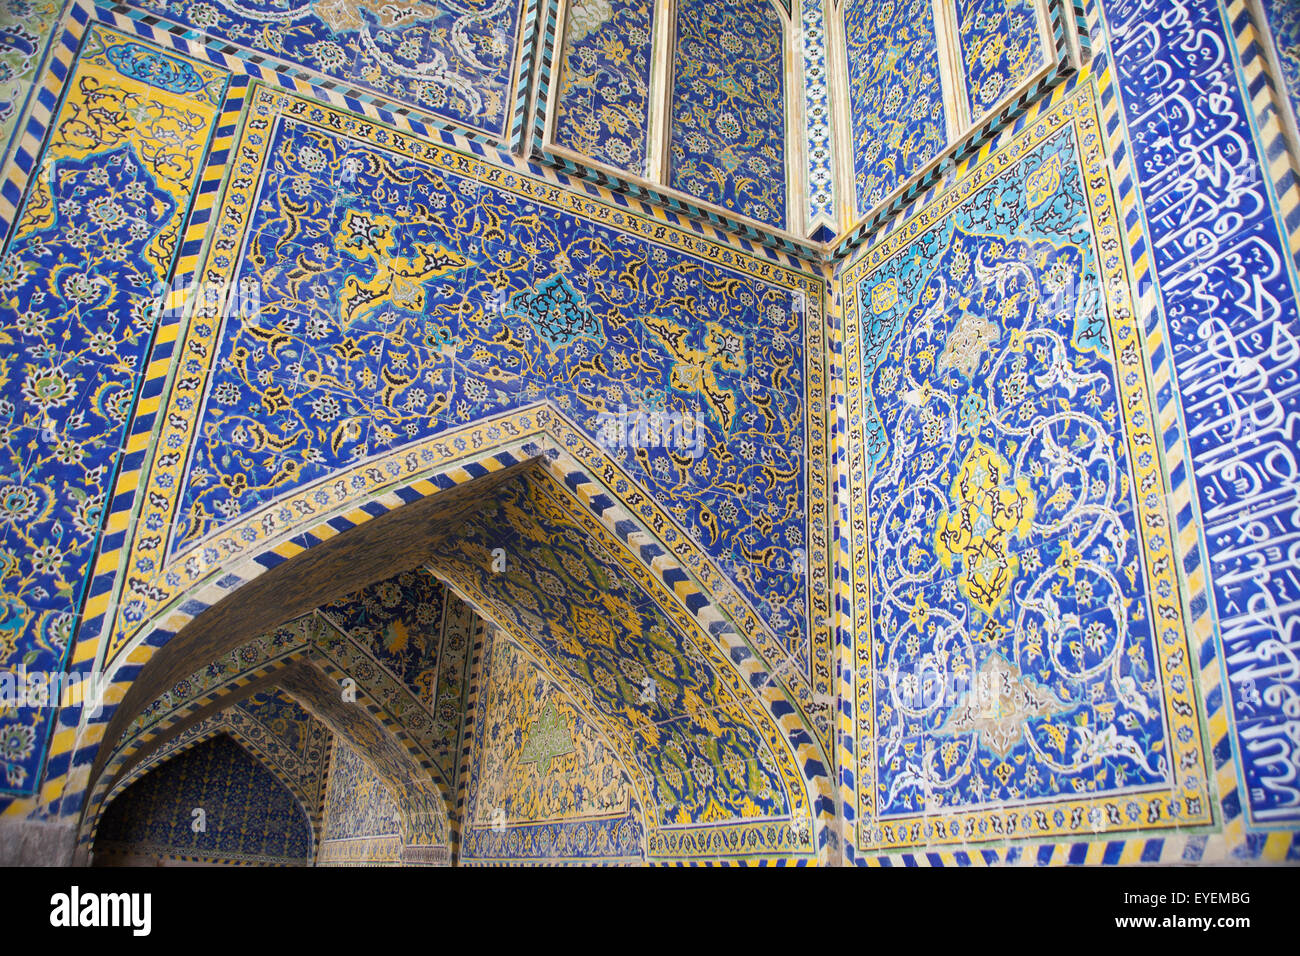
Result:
1228,286
728,107
604,82
249,815
895,97
1000,47
401,293
453,60
79,275
505,305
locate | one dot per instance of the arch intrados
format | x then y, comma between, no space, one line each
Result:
357,558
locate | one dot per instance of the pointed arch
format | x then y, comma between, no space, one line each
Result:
313,681
203,731
216,802
409,501
427,835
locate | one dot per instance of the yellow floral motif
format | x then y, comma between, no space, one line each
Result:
1067,561
920,611
694,370
884,296
398,282
105,109
576,777
1043,181
366,236
397,636
989,512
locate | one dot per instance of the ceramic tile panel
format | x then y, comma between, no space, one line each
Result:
728,107
895,96
96,234
603,91
1001,46
454,60
544,783
398,621
1283,21
1021,666
362,824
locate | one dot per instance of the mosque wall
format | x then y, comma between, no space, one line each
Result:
1074,575
362,822
902,389
543,783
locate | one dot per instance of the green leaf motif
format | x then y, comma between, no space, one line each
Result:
550,738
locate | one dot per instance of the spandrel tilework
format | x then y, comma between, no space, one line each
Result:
454,59
895,97
389,300
604,86
1000,45
708,765
728,107
92,242
248,815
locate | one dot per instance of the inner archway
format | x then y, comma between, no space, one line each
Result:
634,667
